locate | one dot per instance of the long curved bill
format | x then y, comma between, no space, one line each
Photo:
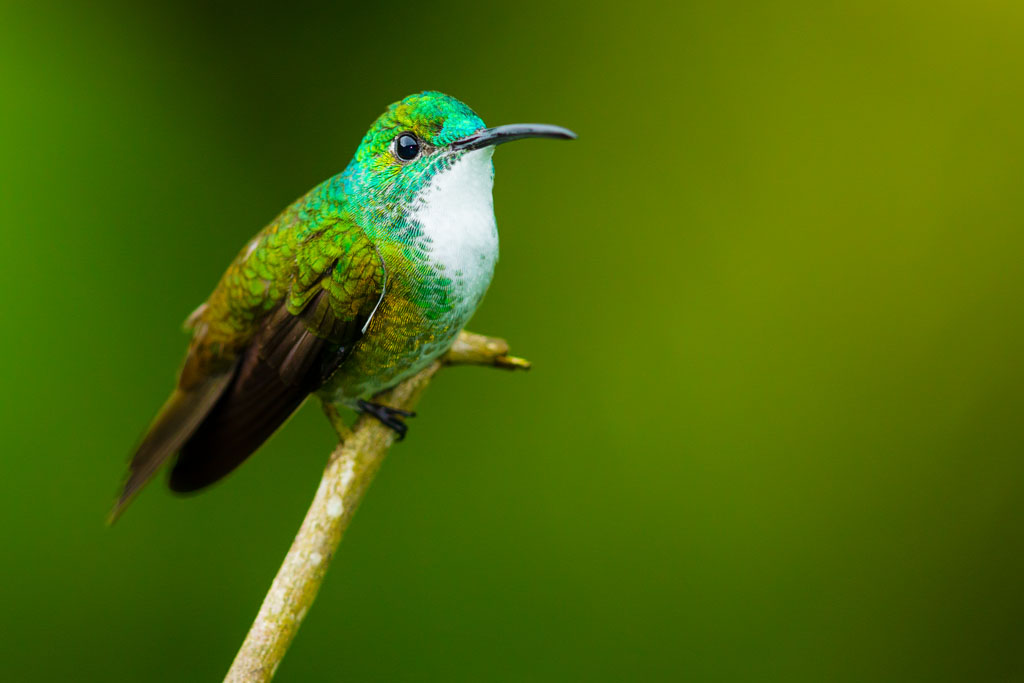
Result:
488,137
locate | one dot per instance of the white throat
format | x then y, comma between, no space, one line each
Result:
455,212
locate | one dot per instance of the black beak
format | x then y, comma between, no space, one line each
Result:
516,131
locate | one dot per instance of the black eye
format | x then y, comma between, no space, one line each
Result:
407,147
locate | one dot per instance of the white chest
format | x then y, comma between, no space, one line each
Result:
455,213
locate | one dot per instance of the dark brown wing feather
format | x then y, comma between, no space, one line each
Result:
280,368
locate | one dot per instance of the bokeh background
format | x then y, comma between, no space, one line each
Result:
773,296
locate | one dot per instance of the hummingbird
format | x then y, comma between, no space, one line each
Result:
357,285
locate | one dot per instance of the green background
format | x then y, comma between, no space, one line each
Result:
773,295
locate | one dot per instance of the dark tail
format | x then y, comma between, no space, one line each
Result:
176,422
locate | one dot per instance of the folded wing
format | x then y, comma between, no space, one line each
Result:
232,396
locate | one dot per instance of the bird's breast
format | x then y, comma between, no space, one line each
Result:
454,214
429,298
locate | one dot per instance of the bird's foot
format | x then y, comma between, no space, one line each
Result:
388,416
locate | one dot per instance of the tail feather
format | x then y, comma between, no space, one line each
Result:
176,422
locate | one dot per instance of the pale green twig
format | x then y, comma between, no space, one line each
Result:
350,469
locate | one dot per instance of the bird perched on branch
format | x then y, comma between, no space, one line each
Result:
359,284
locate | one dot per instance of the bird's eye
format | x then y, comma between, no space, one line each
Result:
407,147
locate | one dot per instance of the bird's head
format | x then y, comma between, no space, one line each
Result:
416,140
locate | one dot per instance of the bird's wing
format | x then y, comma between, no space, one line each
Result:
268,336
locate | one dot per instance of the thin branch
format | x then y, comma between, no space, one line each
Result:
350,469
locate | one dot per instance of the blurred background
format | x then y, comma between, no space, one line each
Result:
773,295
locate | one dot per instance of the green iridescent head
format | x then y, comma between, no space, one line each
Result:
435,119
411,142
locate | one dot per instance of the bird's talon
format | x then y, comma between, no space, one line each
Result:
388,416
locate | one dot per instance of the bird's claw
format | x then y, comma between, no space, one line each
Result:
388,416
